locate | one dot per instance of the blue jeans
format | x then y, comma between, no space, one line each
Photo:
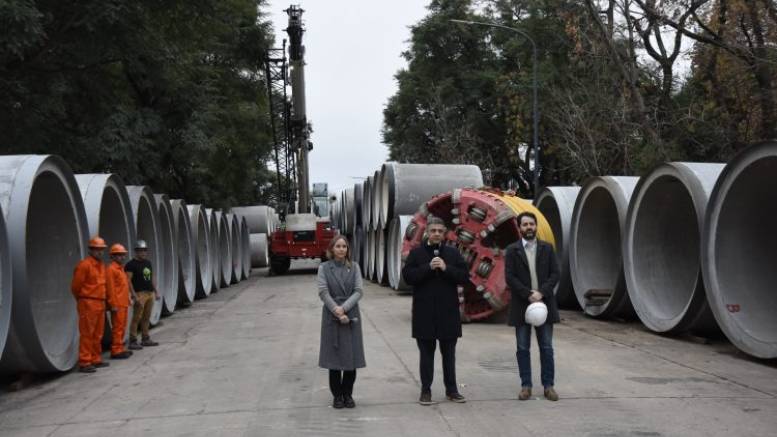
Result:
545,340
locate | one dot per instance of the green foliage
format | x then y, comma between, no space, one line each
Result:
167,94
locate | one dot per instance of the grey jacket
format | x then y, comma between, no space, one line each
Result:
341,346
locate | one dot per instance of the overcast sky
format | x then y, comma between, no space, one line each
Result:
352,51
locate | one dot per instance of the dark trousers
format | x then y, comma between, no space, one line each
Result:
545,341
448,351
341,382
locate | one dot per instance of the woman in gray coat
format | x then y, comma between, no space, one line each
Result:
342,350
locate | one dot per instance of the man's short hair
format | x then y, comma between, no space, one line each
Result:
526,214
434,220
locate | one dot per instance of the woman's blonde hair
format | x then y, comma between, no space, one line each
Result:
330,249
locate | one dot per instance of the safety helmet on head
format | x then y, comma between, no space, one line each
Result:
97,243
118,249
141,245
536,314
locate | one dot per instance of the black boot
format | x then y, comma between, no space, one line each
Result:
338,402
348,401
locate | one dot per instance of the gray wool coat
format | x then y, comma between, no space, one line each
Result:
341,344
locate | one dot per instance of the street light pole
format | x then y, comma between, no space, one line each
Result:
535,115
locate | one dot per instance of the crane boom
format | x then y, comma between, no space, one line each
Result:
298,123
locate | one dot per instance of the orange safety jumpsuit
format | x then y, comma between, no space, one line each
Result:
118,299
89,287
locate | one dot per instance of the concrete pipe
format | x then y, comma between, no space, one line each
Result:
215,249
404,187
201,242
369,248
595,259
109,215
366,206
349,210
357,245
259,253
148,228
396,238
358,195
375,257
245,240
225,251
6,292
236,247
662,247
168,245
47,234
381,276
376,200
556,204
739,248
260,218
187,256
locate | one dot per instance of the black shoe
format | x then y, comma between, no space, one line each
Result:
456,397
348,401
101,364
148,342
122,355
338,402
87,369
134,346
426,398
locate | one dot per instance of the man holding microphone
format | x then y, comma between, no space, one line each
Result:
435,271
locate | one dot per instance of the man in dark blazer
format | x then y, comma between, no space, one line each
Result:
531,273
435,270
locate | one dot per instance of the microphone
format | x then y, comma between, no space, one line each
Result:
437,254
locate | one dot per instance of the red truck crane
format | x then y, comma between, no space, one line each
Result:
302,233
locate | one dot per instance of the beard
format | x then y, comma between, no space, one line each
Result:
529,235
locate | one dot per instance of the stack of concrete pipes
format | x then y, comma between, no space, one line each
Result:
262,221
48,216
373,212
689,247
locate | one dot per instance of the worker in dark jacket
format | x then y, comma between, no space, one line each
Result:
531,273
435,270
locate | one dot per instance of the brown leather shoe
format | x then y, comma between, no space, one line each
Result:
551,394
525,393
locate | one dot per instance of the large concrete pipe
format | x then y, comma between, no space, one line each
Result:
6,292
357,246
215,249
662,247
556,204
168,245
201,241
245,240
187,257
236,247
595,258
404,187
260,218
358,195
367,207
349,210
259,253
47,235
369,258
375,257
381,275
739,249
394,263
147,228
225,251
376,200
109,215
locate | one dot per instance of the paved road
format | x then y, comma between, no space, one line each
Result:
243,362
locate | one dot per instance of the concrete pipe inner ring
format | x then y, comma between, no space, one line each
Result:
187,280
215,249
235,246
740,249
225,251
5,284
245,240
167,284
201,241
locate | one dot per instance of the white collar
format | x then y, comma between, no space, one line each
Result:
527,242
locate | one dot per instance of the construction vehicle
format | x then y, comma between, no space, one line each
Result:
302,234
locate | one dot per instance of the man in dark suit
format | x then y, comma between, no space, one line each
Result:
435,270
531,273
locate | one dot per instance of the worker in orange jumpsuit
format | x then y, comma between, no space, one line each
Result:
89,287
118,301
